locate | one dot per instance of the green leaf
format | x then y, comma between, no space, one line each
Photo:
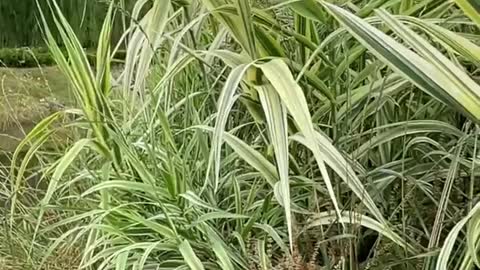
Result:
471,9
147,253
451,40
326,218
250,155
462,88
36,137
219,215
274,234
189,256
121,261
291,95
276,115
232,21
445,252
473,235
309,9
428,76
263,258
62,166
397,130
225,104
445,199
103,77
218,246
340,165
243,7
77,69
194,199
125,185
154,226
142,51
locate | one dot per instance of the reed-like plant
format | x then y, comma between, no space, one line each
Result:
248,135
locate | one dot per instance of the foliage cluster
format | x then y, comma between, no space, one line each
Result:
256,135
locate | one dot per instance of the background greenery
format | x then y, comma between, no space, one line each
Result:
20,28
254,135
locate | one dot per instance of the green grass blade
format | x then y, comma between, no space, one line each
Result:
225,103
445,252
422,73
190,257
244,10
451,40
276,116
218,247
277,72
349,217
250,155
471,9
463,89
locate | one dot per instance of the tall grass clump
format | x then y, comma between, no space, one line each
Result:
258,135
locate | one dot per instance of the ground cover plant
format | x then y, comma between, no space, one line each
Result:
257,135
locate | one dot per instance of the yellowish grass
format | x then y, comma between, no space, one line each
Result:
27,96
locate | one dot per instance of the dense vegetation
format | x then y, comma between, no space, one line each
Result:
40,57
257,135
19,21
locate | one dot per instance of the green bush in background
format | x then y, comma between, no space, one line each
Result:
21,39
302,135
24,57
18,20
34,57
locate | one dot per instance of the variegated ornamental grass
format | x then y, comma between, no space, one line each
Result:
256,135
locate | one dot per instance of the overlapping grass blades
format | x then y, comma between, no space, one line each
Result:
354,121
437,76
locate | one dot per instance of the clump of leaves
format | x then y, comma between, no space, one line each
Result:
231,121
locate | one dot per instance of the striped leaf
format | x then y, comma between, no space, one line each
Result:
426,75
250,155
340,165
451,40
471,9
276,116
243,7
457,83
190,257
445,252
291,95
349,217
225,103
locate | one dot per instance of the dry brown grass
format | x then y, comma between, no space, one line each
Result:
62,260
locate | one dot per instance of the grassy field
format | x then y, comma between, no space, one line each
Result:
28,95
253,135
